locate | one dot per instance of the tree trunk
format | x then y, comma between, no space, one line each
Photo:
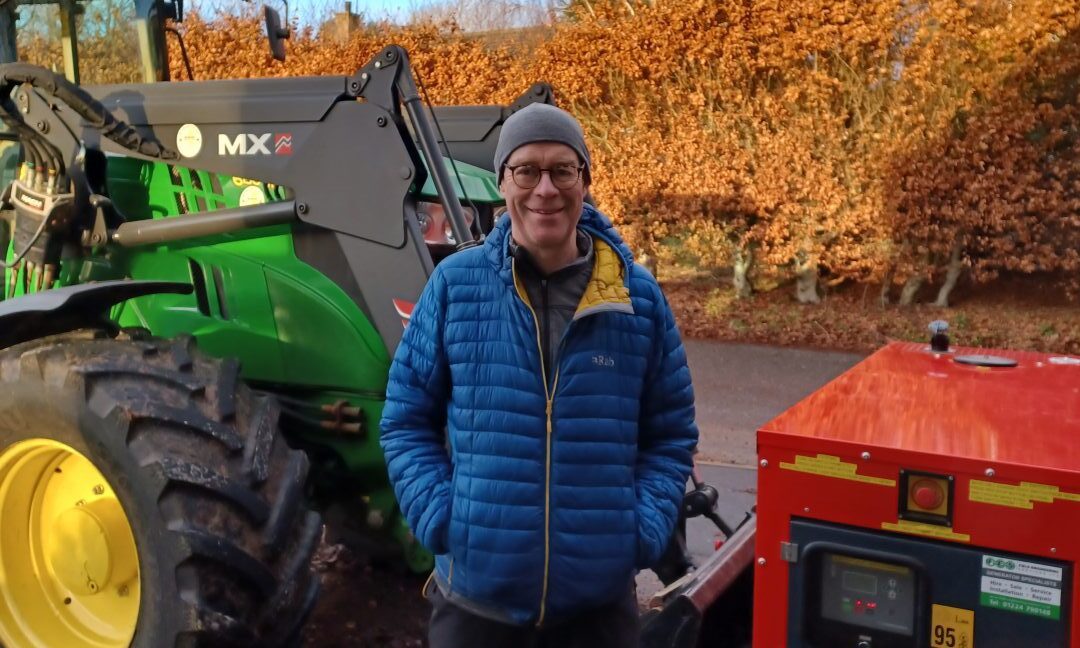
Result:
956,268
739,279
806,280
911,287
648,261
886,287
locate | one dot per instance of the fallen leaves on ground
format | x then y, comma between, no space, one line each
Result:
1010,314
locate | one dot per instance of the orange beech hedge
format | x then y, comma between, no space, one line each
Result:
895,142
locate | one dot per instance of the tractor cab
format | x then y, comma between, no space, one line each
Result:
85,46
52,32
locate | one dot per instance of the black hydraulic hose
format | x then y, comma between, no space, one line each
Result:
90,109
30,152
183,50
35,161
45,152
446,147
33,158
42,157
43,160
33,240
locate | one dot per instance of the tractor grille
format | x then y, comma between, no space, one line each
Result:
195,191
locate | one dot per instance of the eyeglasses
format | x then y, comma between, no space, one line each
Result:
527,176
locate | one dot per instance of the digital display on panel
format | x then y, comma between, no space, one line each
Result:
859,582
868,593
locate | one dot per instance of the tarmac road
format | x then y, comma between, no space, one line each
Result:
737,389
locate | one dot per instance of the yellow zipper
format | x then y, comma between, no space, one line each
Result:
547,501
549,395
431,577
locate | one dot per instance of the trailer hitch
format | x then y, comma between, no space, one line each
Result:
701,502
698,502
710,606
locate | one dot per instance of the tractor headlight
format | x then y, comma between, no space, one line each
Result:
424,220
435,224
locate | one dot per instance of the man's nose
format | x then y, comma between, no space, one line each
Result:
545,187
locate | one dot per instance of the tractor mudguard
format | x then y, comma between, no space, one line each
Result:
72,307
710,606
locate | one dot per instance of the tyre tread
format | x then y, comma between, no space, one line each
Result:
235,493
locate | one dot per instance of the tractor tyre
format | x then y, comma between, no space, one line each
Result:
147,499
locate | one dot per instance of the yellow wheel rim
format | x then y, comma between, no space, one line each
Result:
69,571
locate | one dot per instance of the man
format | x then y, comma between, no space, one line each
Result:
554,365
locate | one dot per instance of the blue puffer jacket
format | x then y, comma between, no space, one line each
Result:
552,495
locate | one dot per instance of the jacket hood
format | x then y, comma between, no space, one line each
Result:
593,221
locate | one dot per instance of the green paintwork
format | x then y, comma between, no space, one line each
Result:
9,158
288,323
475,184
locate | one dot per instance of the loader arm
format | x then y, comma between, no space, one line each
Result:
345,147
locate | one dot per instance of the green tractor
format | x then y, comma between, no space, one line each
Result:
203,286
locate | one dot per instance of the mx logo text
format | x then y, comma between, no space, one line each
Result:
254,144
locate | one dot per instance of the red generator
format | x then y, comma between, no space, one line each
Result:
924,499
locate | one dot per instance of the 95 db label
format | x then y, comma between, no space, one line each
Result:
952,627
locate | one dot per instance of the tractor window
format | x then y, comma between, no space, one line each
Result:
107,43
9,158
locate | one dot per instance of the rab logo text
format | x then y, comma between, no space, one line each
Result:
254,144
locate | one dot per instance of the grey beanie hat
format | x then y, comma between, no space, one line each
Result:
541,123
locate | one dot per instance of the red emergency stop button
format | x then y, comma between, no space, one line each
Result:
927,494
926,497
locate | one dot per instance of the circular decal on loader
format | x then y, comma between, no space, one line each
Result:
252,196
189,140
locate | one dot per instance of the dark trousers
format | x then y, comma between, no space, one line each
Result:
611,626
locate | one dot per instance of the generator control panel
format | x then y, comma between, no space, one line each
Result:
853,589
864,593
923,499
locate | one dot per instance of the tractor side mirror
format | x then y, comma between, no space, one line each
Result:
275,32
174,10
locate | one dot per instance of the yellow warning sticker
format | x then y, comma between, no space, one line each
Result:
830,466
952,627
1023,495
928,530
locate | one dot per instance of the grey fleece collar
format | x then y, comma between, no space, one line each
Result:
584,246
